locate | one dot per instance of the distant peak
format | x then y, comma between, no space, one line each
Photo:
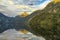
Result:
23,14
1,14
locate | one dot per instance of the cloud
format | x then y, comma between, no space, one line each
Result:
14,10
12,34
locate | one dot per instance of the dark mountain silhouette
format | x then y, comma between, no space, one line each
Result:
4,22
17,22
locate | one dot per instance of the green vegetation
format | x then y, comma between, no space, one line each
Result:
47,22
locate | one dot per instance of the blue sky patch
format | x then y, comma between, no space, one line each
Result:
29,2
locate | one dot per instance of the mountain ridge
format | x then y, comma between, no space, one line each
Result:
47,23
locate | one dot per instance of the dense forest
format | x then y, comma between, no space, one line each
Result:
47,22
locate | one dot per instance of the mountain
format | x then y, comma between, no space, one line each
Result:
47,22
2,15
23,14
17,22
22,22
35,19
5,22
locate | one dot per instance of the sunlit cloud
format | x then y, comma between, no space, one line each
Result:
19,6
11,2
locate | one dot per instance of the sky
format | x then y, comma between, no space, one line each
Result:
16,7
24,2
28,2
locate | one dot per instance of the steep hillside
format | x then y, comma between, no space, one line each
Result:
47,22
